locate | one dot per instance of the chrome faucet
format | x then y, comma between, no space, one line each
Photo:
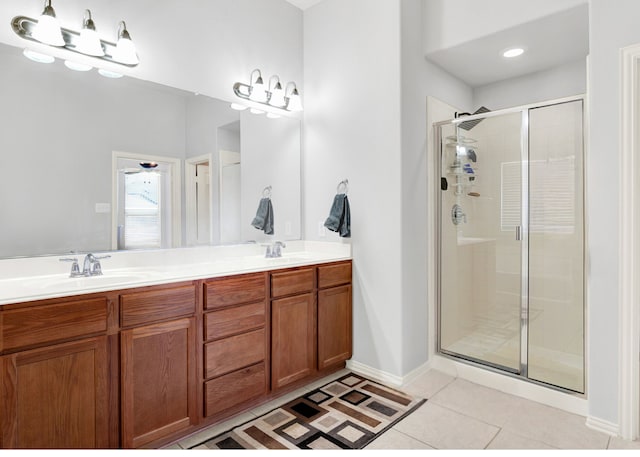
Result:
91,265
275,250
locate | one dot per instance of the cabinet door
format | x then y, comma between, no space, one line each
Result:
334,326
56,397
293,339
158,381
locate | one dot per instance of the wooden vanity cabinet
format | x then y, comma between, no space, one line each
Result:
334,314
311,321
293,326
54,380
235,342
141,367
157,363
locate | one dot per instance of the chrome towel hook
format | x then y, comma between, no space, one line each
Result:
266,192
343,187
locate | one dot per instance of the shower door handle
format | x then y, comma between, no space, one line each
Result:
518,233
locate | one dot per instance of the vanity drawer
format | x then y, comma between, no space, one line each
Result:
230,321
334,275
230,354
222,292
50,323
155,305
234,388
292,282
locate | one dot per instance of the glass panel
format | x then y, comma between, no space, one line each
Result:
556,310
480,257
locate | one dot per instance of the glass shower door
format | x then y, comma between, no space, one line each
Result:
481,255
556,239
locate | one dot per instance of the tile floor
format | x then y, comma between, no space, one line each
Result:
461,415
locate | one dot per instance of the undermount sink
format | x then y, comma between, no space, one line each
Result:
64,281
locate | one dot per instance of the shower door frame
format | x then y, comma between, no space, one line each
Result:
524,299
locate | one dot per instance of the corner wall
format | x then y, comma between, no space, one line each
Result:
352,131
420,78
613,26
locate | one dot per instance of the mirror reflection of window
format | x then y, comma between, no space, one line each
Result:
144,209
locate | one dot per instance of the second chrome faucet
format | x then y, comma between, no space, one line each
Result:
275,250
90,267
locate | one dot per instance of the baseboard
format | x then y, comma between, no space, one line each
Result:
384,377
374,373
603,426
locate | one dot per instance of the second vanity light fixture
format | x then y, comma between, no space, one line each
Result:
271,95
47,30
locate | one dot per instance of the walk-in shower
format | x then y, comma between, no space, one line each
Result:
511,236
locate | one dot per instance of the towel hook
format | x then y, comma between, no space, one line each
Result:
344,185
266,192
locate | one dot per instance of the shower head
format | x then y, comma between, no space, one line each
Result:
468,125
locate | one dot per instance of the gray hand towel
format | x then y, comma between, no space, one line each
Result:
264,216
339,219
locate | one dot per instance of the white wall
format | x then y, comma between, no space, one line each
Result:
420,78
197,45
352,130
270,156
481,18
613,26
564,81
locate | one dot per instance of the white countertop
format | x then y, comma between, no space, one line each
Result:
37,278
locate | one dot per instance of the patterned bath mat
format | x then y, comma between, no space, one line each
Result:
348,413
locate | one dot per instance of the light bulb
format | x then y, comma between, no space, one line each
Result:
76,66
38,57
238,107
89,41
258,93
125,51
273,116
47,30
256,111
109,74
295,104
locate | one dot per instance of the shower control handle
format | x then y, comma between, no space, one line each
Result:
518,233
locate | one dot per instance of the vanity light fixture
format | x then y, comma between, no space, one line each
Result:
274,96
46,30
89,41
37,57
125,51
276,93
257,93
293,98
109,74
77,66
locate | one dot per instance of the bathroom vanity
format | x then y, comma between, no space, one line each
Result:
143,362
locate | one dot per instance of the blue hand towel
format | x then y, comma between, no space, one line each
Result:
264,216
339,219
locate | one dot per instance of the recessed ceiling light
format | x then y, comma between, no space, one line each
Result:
513,52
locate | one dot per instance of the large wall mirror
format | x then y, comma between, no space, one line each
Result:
90,163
